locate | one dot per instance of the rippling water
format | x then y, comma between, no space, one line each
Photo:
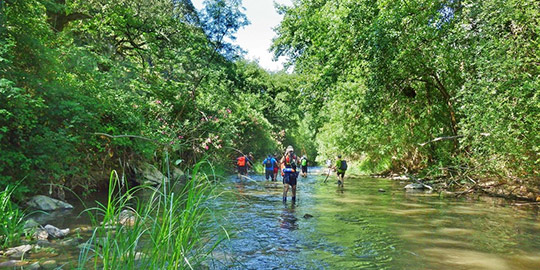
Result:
361,228
354,228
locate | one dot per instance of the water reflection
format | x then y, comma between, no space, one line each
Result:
287,218
361,228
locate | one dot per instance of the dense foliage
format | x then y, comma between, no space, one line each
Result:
91,86
441,87
448,87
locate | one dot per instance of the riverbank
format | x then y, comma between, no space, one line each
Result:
510,188
140,227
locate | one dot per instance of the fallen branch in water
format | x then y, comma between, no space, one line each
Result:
526,203
466,191
418,181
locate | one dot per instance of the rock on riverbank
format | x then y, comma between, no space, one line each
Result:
42,202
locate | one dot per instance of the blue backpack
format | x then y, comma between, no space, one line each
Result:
268,162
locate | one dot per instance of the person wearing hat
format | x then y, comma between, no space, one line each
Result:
289,163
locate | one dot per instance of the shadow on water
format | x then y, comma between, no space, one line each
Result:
287,218
358,227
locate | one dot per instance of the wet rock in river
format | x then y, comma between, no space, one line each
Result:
11,263
178,175
55,232
127,218
43,217
149,174
45,203
17,252
43,243
82,229
49,265
30,224
41,234
414,186
34,266
400,178
71,242
86,246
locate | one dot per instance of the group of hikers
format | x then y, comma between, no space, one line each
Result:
289,164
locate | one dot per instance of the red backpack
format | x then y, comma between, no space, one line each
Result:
290,160
241,161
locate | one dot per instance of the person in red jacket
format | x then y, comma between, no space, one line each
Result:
242,165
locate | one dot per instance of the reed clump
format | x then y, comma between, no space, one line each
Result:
152,227
11,219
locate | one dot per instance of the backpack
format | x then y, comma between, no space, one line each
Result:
304,162
343,166
290,160
241,161
268,163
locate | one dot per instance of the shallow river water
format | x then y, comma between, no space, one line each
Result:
361,228
357,227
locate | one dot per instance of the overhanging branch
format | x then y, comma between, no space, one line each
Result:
441,139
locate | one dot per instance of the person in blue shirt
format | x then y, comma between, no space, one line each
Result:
269,164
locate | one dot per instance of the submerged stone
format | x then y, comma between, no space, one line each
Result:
49,265
34,266
86,246
127,218
43,243
17,252
414,186
55,232
71,241
11,263
41,234
30,224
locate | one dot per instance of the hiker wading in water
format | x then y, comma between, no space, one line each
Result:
276,168
340,167
242,163
289,162
304,163
269,163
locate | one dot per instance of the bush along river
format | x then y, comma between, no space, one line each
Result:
371,223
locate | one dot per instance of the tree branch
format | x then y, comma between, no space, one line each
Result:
441,139
123,136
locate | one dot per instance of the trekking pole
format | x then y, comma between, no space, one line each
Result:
327,175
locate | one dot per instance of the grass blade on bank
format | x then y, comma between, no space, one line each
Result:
164,229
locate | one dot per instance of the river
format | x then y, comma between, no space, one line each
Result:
360,227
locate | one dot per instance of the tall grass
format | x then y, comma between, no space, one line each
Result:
11,220
165,233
